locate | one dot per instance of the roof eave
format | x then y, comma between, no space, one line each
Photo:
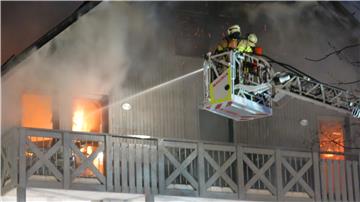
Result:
14,60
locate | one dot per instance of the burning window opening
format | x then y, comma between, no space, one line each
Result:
331,140
37,112
88,116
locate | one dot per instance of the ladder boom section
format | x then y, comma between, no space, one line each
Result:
320,94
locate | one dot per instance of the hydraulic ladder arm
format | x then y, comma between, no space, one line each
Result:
318,93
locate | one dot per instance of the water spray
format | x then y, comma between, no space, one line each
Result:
124,102
161,85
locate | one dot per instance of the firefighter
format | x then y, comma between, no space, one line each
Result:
250,71
247,45
231,41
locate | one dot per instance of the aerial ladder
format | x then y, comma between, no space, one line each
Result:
244,86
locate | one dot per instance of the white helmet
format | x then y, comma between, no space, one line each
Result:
252,38
233,29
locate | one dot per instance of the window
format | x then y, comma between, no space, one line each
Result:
87,115
331,139
36,111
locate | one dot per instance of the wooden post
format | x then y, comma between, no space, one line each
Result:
316,162
67,156
161,167
21,194
279,185
201,170
149,197
240,170
21,188
109,159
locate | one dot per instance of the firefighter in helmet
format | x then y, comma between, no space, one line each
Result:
231,41
247,45
250,70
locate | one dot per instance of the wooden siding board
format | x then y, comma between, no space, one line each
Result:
169,111
356,180
349,180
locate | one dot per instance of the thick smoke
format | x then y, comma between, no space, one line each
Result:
292,31
95,54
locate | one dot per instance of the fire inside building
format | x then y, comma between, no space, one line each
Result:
180,101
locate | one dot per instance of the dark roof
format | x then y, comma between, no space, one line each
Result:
14,60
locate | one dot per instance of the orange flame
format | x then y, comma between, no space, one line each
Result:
87,118
36,111
331,140
79,123
86,115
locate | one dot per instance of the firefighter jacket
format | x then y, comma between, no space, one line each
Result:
227,44
244,46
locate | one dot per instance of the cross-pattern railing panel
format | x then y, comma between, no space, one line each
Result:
9,163
297,175
87,166
259,173
220,171
44,160
178,168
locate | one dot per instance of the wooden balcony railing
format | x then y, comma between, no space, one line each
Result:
103,162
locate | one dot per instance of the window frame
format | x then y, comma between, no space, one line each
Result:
341,120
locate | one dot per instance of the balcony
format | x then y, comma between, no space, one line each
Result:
39,158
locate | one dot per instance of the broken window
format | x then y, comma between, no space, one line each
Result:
332,140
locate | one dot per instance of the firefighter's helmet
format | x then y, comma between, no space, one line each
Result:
233,29
252,38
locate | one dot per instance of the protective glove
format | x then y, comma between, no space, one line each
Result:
207,56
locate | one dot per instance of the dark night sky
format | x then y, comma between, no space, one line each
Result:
22,23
